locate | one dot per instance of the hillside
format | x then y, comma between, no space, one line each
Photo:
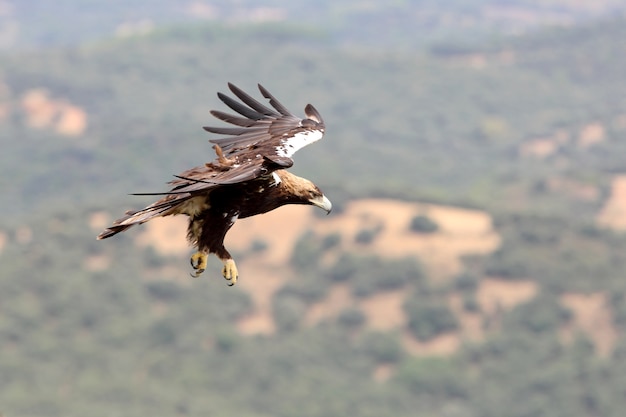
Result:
473,264
140,319
448,139
460,233
28,23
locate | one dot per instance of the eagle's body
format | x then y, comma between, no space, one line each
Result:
247,178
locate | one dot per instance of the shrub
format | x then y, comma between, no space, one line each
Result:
543,314
351,318
470,304
427,320
163,332
287,311
346,266
423,224
164,290
308,288
306,252
434,376
331,240
367,236
466,282
226,340
258,245
376,274
383,347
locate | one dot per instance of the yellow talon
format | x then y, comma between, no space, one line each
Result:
198,262
230,272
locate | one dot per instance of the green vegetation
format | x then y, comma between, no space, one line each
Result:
98,329
378,24
423,224
429,319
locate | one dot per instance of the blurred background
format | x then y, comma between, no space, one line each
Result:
474,264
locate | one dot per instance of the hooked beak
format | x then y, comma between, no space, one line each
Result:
323,203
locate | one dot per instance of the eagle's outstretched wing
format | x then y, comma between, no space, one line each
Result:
273,133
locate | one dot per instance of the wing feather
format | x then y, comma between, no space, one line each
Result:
235,131
250,101
275,103
229,118
272,132
312,113
240,108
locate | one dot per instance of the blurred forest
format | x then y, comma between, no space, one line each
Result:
499,122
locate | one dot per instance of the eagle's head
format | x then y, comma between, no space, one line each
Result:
302,191
315,197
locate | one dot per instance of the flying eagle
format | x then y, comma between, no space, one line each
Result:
248,176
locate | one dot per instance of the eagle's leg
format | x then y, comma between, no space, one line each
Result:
229,271
198,262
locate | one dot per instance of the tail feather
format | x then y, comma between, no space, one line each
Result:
160,208
110,231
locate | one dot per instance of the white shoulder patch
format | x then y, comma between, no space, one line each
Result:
291,145
276,178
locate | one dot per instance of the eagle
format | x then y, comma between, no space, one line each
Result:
247,177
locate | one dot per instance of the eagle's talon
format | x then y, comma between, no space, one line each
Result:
196,274
198,262
230,272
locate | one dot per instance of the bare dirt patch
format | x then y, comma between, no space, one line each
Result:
339,298
167,235
591,134
99,220
44,112
95,263
3,241
613,214
544,146
471,326
383,372
441,345
574,189
24,235
279,229
591,315
461,232
385,310
539,148
261,281
495,295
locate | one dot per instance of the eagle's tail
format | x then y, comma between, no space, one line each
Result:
110,231
160,208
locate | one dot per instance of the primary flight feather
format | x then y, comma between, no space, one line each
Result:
248,176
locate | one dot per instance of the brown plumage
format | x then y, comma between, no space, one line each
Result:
247,178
